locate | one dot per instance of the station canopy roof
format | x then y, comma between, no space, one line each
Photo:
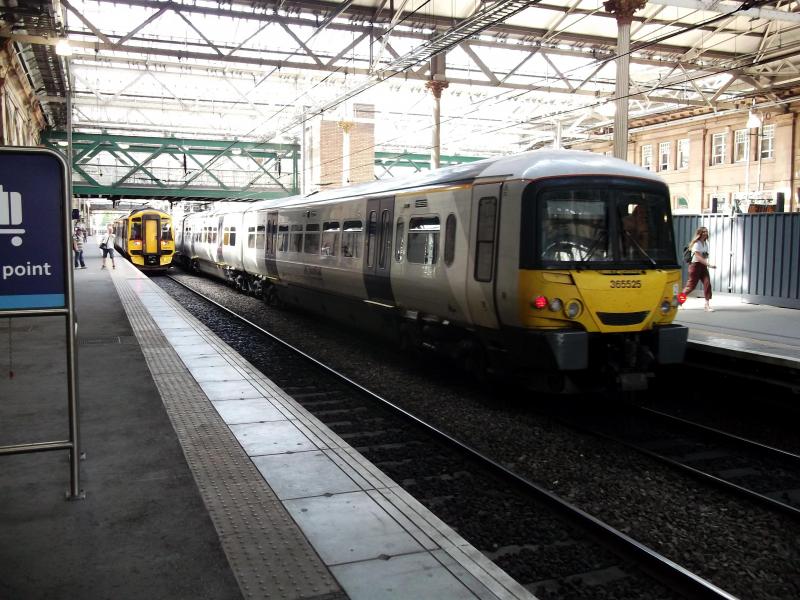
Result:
518,73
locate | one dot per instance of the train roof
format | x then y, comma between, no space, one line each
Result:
536,164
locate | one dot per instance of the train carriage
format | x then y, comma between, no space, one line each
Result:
557,265
145,238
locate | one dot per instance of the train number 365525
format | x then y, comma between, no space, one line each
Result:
626,283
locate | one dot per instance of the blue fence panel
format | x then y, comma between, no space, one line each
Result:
757,255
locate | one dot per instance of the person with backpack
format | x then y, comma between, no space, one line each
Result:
699,266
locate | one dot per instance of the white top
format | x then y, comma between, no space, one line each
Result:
702,248
108,239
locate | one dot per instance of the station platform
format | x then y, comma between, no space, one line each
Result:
201,478
755,332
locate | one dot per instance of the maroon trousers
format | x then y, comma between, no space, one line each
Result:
698,272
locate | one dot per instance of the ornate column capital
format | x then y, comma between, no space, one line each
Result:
436,87
624,9
345,126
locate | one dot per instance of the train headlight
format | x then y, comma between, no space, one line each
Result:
573,309
556,305
665,306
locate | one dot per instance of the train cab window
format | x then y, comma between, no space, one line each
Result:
136,231
311,242
386,239
484,251
283,238
261,237
450,239
352,231
423,240
251,237
296,241
166,230
372,237
400,243
330,238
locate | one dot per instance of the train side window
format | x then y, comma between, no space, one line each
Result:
484,251
351,239
372,234
251,237
423,240
232,239
226,236
400,240
261,237
283,238
297,239
450,239
330,238
311,243
386,239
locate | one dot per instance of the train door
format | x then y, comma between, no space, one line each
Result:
481,275
151,234
218,238
271,243
378,250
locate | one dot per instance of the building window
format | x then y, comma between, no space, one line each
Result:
683,153
741,145
647,157
768,141
664,150
718,143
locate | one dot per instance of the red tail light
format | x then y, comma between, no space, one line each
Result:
540,302
681,298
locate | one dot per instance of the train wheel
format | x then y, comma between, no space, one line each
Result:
271,297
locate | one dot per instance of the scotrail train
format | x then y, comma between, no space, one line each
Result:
144,237
559,266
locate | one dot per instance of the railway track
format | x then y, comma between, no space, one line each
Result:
549,545
760,473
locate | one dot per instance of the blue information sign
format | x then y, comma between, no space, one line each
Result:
33,228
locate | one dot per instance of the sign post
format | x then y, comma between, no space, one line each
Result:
35,267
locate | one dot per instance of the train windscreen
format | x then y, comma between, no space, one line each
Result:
598,225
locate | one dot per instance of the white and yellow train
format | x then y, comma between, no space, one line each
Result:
557,265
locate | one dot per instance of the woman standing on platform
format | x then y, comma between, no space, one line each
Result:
698,268
107,245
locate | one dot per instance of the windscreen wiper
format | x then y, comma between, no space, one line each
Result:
642,250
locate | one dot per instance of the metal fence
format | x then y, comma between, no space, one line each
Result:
757,255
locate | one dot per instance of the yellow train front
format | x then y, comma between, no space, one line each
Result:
146,239
599,284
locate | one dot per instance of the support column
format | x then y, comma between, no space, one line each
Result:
436,88
345,126
623,10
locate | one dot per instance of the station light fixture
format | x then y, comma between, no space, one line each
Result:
123,146
236,151
63,48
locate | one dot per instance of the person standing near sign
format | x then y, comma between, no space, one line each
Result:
77,248
698,268
107,245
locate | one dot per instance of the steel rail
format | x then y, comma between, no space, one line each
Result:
659,567
697,473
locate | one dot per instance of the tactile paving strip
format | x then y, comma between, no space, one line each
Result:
269,555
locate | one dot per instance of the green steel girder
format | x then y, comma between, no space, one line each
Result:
418,162
178,168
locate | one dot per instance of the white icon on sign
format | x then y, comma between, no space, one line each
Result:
11,214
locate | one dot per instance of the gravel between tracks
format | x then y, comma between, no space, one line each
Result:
747,551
